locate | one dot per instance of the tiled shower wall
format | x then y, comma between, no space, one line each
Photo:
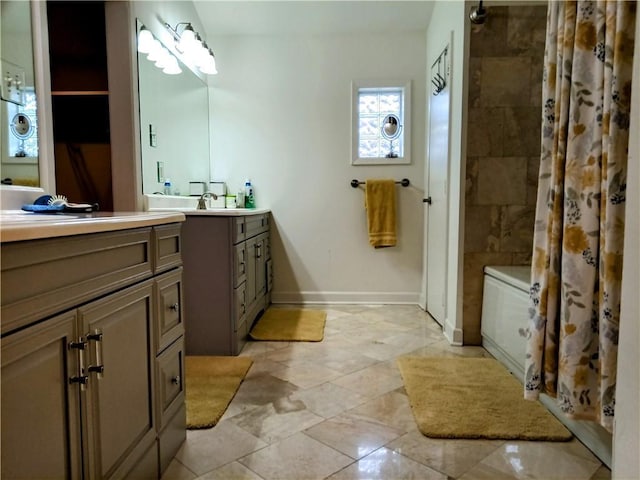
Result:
503,147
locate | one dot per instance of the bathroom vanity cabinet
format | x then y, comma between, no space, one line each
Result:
92,354
227,280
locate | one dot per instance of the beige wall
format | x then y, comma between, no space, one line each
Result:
281,116
503,147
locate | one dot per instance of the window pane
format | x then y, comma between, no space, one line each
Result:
368,103
27,147
369,126
390,103
373,106
369,148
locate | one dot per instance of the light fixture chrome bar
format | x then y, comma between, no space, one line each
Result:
190,44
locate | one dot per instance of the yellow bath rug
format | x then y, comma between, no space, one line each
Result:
474,398
290,325
210,385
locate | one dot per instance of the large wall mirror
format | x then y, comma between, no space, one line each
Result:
174,127
18,112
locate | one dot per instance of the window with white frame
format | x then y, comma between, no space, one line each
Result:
372,103
23,147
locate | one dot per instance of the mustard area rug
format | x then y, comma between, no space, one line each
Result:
210,384
474,398
290,325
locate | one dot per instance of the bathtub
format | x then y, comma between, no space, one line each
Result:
505,315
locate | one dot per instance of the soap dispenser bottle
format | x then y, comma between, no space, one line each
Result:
249,200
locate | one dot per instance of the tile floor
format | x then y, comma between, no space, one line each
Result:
337,410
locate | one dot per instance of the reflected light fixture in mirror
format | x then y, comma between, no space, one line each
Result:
193,47
157,53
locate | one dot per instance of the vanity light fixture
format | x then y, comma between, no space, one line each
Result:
157,53
193,47
145,40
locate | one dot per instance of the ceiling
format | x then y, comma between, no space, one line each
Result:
266,17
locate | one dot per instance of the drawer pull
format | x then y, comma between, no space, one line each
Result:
176,380
96,337
175,307
82,380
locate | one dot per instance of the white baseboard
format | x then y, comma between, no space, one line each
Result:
366,298
422,301
453,334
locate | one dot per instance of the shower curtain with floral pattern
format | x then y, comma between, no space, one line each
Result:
578,241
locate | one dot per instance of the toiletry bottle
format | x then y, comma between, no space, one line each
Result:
167,186
249,200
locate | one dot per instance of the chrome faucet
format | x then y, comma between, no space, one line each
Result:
202,205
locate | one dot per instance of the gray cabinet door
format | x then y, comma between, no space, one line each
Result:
40,407
250,290
261,265
118,401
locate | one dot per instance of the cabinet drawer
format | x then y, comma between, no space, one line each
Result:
239,232
167,250
240,264
169,309
44,277
240,306
256,224
170,368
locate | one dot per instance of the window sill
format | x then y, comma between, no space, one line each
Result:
381,161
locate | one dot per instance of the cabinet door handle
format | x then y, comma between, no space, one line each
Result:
98,368
81,378
258,251
175,307
176,380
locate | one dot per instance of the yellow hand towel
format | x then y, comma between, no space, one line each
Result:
380,202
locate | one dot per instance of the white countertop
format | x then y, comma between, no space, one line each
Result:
216,212
18,225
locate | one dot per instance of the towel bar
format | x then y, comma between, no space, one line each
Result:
404,182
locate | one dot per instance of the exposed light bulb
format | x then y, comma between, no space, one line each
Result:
198,43
172,67
187,39
145,40
155,51
209,68
164,58
202,56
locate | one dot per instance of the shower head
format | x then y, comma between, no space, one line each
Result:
478,14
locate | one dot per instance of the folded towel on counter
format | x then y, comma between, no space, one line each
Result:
380,202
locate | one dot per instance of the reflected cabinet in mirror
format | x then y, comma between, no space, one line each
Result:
174,127
18,113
